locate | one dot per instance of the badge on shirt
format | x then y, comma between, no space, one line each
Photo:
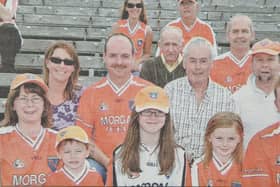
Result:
277,162
235,184
18,164
131,104
53,163
103,107
140,42
228,79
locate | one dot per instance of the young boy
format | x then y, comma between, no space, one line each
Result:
72,148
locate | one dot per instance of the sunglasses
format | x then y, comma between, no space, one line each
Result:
67,62
137,5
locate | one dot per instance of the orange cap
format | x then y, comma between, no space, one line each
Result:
266,46
72,132
28,78
152,97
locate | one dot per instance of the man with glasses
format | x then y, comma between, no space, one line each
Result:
105,107
194,99
190,24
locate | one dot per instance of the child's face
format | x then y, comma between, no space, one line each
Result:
224,142
73,154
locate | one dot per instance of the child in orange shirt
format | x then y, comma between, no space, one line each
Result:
221,162
72,149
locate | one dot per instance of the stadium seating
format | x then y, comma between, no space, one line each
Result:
86,23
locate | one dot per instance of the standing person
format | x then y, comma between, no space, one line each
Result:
233,68
134,24
72,148
255,100
168,66
149,155
27,145
61,72
261,162
105,107
191,25
221,164
10,37
194,99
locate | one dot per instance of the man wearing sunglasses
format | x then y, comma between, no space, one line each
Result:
105,107
190,24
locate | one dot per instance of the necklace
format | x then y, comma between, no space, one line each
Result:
150,162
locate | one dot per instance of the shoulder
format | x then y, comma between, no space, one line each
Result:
268,132
92,88
221,57
7,130
139,82
174,22
204,24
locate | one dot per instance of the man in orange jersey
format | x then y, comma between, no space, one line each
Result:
255,100
190,24
262,160
232,68
105,107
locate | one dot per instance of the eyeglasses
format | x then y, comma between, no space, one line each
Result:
67,62
149,113
132,5
25,100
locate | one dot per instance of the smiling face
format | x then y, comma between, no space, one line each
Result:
151,121
240,32
59,72
224,142
29,107
118,58
73,154
198,64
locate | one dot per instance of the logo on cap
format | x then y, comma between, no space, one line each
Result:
153,95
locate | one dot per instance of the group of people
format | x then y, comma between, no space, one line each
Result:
182,118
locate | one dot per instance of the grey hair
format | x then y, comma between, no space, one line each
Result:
240,16
199,41
172,29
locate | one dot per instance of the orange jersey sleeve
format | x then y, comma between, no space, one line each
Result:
230,72
261,165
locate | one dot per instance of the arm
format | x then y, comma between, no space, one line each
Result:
98,154
5,14
115,28
147,50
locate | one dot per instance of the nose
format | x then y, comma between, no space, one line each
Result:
29,102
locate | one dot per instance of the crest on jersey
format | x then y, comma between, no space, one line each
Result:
131,104
18,164
277,160
103,107
140,42
153,95
53,163
228,79
236,184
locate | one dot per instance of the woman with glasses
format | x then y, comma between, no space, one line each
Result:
61,72
27,145
149,155
133,23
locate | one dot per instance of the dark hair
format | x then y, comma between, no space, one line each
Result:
143,16
11,117
118,34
